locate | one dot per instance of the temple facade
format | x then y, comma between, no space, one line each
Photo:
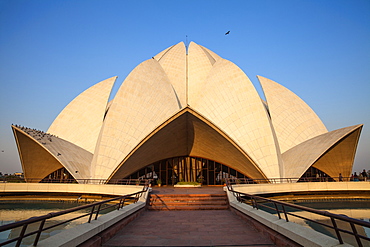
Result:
186,114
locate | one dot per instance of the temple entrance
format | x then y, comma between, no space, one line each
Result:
315,175
59,176
188,169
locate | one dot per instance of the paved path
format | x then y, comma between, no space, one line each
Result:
188,228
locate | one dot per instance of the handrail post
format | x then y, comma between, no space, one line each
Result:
252,202
286,215
255,203
39,232
20,238
277,210
119,204
358,240
97,212
336,230
91,213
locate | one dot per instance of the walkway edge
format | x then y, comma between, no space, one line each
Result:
297,233
81,233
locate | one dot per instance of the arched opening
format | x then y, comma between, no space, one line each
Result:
59,176
188,169
315,175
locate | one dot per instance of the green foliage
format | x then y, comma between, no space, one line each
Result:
188,183
14,179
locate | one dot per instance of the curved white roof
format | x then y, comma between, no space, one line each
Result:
229,100
299,158
145,99
45,153
192,103
173,62
199,65
81,120
293,120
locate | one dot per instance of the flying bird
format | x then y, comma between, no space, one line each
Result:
227,32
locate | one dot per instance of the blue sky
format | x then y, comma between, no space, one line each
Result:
51,51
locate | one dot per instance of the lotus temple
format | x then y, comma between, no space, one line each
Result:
186,114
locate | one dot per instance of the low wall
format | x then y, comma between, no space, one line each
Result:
299,234
301,187
104,189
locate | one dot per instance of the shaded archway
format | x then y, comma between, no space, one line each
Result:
189,169
59,176
188,133
315,175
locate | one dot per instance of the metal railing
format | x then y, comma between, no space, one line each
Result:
76,181
294,180
282,208
95,209
141,181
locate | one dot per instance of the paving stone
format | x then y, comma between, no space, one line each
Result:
189,228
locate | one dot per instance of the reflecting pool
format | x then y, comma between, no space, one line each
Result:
15,211
358,209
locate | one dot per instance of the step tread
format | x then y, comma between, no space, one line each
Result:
189,198
189,195
188,202
207,207
181,199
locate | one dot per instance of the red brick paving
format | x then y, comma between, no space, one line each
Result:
189,228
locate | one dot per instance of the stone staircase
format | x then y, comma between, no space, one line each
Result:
188,202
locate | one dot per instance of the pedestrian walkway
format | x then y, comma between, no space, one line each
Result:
189,228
